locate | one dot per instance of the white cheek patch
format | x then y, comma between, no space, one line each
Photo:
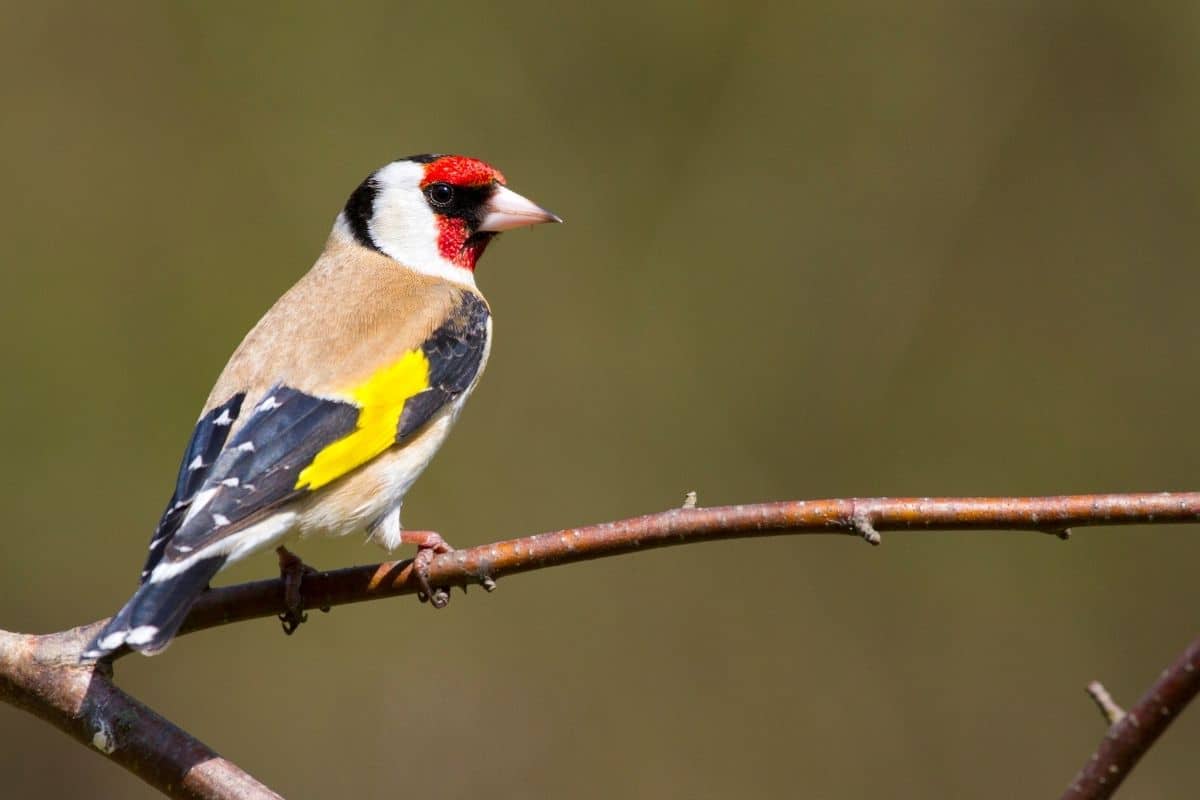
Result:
405,228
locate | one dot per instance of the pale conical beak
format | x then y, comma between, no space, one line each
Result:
507,210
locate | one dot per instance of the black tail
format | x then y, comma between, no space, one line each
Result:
152,616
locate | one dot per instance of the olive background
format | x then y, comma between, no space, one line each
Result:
811,250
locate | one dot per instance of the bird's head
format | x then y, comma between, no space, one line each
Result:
436,213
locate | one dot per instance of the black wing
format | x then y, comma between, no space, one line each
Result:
455,352
256,472
206,444
284,433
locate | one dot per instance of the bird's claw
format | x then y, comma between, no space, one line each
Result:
429,544
439,597
290,621
292,571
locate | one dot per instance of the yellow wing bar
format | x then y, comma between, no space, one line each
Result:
381,400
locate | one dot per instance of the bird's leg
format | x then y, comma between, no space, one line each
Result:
429,544
292,571
388,531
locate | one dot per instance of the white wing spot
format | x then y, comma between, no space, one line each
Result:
224,419
230,482
183,548
220,520
112,641
246,447
198,503
156,542
197,463
142,634
103,740
268,404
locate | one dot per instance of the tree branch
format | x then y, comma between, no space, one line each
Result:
1132,732
854,517
41,673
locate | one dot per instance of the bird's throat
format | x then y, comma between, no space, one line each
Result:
458,245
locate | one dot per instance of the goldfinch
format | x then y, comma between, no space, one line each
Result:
338,398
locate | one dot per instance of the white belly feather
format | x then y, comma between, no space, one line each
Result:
359,501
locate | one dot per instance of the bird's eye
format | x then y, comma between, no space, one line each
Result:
440,194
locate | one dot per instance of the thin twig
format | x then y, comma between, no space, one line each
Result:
1104,701
1130,736
486,563
842,516
42,673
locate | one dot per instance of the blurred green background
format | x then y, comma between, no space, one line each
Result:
811,250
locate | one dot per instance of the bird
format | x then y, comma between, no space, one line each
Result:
338,398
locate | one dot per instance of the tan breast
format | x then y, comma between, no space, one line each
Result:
352,312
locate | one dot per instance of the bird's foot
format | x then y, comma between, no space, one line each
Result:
429,544
292,571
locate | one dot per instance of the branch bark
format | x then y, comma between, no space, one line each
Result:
42,675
